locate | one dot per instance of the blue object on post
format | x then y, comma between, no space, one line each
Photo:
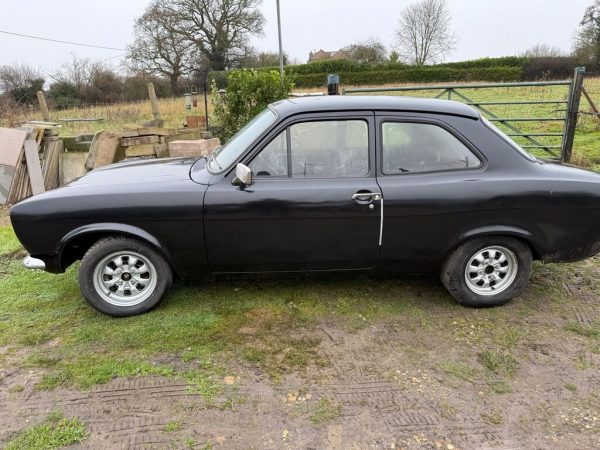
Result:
333,84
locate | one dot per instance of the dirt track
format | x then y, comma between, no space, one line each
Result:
386,381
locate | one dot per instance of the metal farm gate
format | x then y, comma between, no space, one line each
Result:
540,116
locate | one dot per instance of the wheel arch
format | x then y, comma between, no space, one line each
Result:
502,230
77,242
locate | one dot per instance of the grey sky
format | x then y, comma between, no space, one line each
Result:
484,27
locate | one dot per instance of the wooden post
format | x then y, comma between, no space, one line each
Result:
572,113
43,106
153,101
590,101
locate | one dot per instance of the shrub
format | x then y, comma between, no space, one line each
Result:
248,93
549,68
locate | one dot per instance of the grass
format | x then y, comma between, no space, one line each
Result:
172,426
268,325
460,370
325,411
55,432
591,331
499,363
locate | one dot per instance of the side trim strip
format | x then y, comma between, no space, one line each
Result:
381,223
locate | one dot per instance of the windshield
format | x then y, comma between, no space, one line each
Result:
504,136
226,155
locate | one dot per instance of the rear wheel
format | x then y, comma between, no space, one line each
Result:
488,271
121,277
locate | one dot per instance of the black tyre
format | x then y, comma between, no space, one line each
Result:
487,271
121,277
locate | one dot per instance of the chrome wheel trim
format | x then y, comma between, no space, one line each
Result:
491,270
125,278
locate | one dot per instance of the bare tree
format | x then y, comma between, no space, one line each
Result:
159,48
424,34
543,51
371,51
219,29
21,82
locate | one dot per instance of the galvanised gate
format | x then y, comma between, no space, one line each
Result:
540,116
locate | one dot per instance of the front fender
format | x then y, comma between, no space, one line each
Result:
104,229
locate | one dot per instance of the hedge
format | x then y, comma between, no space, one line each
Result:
509,68
415,75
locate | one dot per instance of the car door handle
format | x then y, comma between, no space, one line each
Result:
366,197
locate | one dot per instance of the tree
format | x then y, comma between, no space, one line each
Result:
587,38
253,59
543,51
159,48
219,29
424,34
367,52
21,82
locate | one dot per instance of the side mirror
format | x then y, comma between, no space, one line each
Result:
243,176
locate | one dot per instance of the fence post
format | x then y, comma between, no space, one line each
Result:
43,106
153,102
572,113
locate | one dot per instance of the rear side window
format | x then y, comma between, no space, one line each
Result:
423,147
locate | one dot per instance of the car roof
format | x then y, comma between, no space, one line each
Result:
372,103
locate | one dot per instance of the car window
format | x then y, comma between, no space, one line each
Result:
226,155
272,160
423,147
330,149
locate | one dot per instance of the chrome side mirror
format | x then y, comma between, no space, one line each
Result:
243,176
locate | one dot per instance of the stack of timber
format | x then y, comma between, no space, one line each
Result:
30,160
33,158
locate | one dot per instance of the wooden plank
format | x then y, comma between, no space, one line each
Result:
107,148
139,140
34,169
6,175
11,145
71,166
589,99
51,150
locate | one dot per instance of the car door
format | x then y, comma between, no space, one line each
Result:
431,179
302,211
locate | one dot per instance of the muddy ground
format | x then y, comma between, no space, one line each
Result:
382,385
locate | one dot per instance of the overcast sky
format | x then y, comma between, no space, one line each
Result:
484,27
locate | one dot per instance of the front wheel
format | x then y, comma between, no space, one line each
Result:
488,271
122,277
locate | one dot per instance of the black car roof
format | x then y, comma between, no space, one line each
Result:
372,103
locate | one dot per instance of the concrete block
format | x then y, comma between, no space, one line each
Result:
188,148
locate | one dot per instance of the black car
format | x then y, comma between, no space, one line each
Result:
318,184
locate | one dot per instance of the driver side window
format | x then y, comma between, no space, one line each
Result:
272,160
316,149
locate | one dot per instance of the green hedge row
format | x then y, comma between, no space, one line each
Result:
415,75
510,68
